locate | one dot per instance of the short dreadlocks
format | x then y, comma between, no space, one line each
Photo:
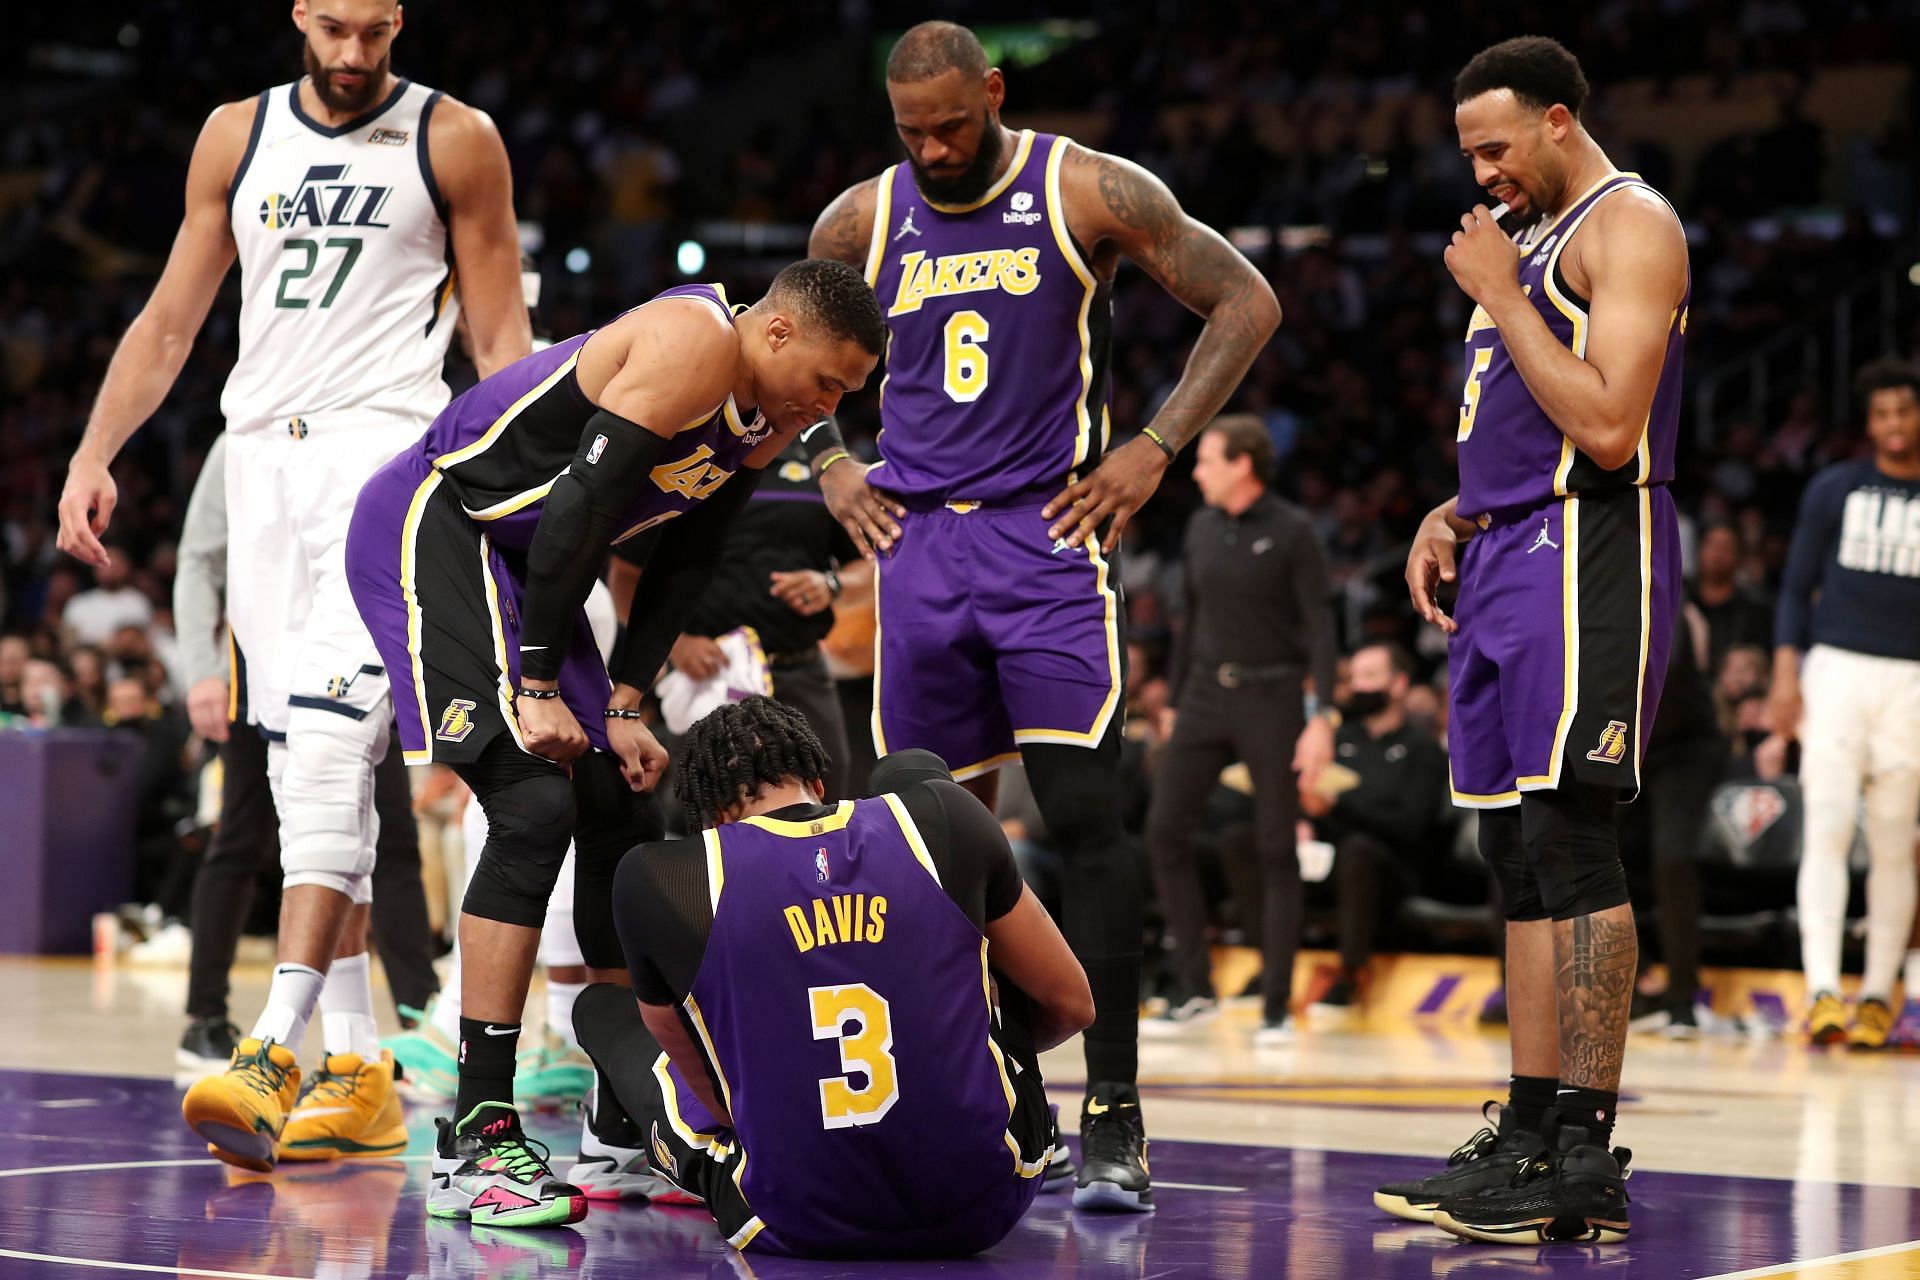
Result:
733,751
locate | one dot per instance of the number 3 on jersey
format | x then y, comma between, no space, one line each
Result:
1470,402
867,1049
966,334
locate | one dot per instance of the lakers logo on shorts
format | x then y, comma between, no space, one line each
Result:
1612,748
663,1157
456,722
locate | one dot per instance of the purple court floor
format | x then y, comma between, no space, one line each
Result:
99,1177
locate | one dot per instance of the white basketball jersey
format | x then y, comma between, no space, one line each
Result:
346,273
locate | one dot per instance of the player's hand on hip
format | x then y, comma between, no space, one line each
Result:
642,759
1118,487
1313,751
805,591
207,703
548,728
86,505
870,515
1430,562
697,657
1484,262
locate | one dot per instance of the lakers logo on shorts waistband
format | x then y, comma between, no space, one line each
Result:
1612,748
456,722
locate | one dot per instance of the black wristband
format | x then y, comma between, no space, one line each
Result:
624,713
819,438
539,695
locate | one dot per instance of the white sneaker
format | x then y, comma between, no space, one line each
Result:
171,947
1276,1035
1190,1012
615,1165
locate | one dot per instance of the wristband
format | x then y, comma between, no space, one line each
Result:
624,713
833,584
539,695
1160,441
838,456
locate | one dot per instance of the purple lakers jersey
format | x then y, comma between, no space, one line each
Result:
996,384
1512,456
503,443
843,1003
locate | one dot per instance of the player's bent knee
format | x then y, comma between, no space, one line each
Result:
529,822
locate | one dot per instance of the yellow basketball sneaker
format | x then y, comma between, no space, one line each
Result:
348,1110
241,1111
1827,1020
1872,1023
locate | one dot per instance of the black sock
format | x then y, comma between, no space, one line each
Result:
1593,1109
486,1064
1113,1041
1530,1096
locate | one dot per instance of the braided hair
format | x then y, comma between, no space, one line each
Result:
733,751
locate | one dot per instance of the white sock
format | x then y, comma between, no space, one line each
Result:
560,998
1913,974
346,1009
290,1003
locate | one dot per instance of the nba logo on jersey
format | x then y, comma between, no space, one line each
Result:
820,865
1613,744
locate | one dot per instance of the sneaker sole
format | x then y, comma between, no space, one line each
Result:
553,1213
391,1143
242,1148
1403,1208
1537,1232
1111,1197
605,1184
1828,1036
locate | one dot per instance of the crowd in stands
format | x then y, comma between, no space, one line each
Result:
604,111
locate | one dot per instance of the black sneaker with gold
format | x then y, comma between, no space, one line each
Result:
1113,1152
1489,1159
1575,1194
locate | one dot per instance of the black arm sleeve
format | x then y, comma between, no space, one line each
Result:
576,524
968,848
671,585
820,437
664,915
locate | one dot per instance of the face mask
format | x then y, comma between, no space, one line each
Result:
1362,703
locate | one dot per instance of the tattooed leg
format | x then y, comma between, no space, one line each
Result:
1594,961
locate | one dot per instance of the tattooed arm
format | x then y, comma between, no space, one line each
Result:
844,233
1117,209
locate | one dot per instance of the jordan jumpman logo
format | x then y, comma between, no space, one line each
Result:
1545,539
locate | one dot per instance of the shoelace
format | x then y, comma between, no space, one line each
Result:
1111,1139
261,1073
520,1157
334,1086
1479,1144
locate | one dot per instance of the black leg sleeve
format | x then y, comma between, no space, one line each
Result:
612,820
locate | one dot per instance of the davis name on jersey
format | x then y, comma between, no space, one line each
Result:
347,289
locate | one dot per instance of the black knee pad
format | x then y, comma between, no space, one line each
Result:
1077,792
1572,840
1506,857
613,819
530,817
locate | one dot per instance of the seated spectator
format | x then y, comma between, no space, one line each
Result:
93,615
1734,616
1377,804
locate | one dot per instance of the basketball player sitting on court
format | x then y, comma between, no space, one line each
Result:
470,556
843,1074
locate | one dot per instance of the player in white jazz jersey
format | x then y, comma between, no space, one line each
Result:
365,210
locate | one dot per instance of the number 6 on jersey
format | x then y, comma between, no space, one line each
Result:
868,1049
966,332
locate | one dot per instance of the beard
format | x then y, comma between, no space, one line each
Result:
970,184
332,96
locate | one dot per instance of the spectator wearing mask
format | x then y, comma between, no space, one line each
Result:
1377,805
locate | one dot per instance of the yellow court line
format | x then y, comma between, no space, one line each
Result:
1858,1265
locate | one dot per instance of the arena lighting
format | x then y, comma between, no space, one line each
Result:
1913,274
578,260
690,257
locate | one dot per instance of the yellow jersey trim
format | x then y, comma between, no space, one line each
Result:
517,502
499,424
716,867
409,536
841,815
1024,1168
1092,736
1057,221
1019,162
912,833
882,219
503,687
